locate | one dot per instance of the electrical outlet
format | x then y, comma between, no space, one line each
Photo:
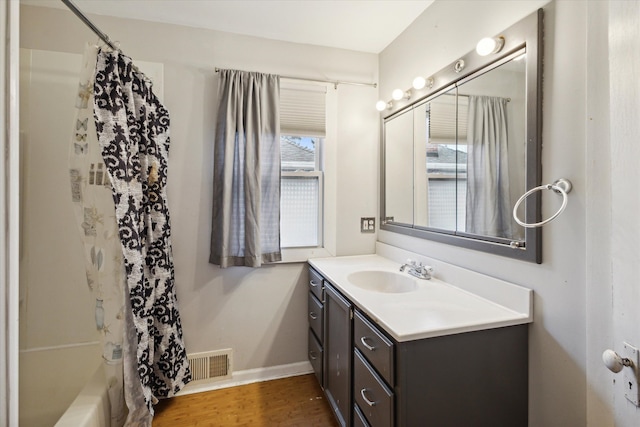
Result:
631,391
367,225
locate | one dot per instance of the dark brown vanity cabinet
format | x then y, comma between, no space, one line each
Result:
470,379
477,379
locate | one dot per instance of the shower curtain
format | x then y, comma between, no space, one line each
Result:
488,200
133,134
95,215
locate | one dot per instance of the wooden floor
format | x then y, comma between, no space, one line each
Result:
293,401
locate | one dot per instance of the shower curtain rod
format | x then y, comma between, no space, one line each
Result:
88,23
335,83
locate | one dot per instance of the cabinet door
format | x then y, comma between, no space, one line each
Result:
338,353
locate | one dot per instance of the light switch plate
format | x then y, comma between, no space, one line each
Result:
367,225
631,391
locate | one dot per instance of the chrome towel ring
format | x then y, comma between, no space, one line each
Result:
560,186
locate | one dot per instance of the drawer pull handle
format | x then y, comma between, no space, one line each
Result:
312,355
313,284
313,315
364,343
368,402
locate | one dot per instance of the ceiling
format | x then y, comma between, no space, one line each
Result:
362,25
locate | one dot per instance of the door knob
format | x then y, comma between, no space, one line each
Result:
614,362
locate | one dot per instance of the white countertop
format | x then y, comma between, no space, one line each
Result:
435,308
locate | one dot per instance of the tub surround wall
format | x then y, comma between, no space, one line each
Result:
59,342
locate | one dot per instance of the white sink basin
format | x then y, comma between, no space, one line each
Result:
383,281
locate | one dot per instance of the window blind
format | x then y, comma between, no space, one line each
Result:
302,110
442,120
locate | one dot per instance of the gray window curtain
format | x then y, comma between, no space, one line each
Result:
488,201
246,177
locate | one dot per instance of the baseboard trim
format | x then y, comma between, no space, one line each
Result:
249,376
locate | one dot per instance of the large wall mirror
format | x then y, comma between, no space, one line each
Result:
458,155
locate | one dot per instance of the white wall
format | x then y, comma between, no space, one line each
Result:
260,313
557,356
624,69
601,391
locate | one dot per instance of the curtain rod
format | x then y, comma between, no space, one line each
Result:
335,83
466,96
88,23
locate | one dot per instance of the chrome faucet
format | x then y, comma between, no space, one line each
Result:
417,269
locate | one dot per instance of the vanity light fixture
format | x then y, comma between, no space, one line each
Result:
489,45
383,105
421,82
399,94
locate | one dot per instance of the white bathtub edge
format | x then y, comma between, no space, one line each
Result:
91,407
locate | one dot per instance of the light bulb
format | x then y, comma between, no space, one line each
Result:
489,45
381,105
419,83
397,94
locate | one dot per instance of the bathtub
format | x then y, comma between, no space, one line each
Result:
91,407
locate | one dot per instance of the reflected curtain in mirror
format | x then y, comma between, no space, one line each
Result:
246,182
488,168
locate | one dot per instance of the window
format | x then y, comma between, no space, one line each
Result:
301,192
302,131
447,162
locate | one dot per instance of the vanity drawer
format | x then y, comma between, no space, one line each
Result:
315,357
373,345
372,396
315,316
316,285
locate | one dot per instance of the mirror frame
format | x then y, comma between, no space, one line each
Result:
526,33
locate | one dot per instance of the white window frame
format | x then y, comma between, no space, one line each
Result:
327,159
317,174
302,254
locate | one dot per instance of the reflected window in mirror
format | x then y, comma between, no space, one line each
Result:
446,163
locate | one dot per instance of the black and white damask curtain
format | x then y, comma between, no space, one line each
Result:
133,133
246,182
